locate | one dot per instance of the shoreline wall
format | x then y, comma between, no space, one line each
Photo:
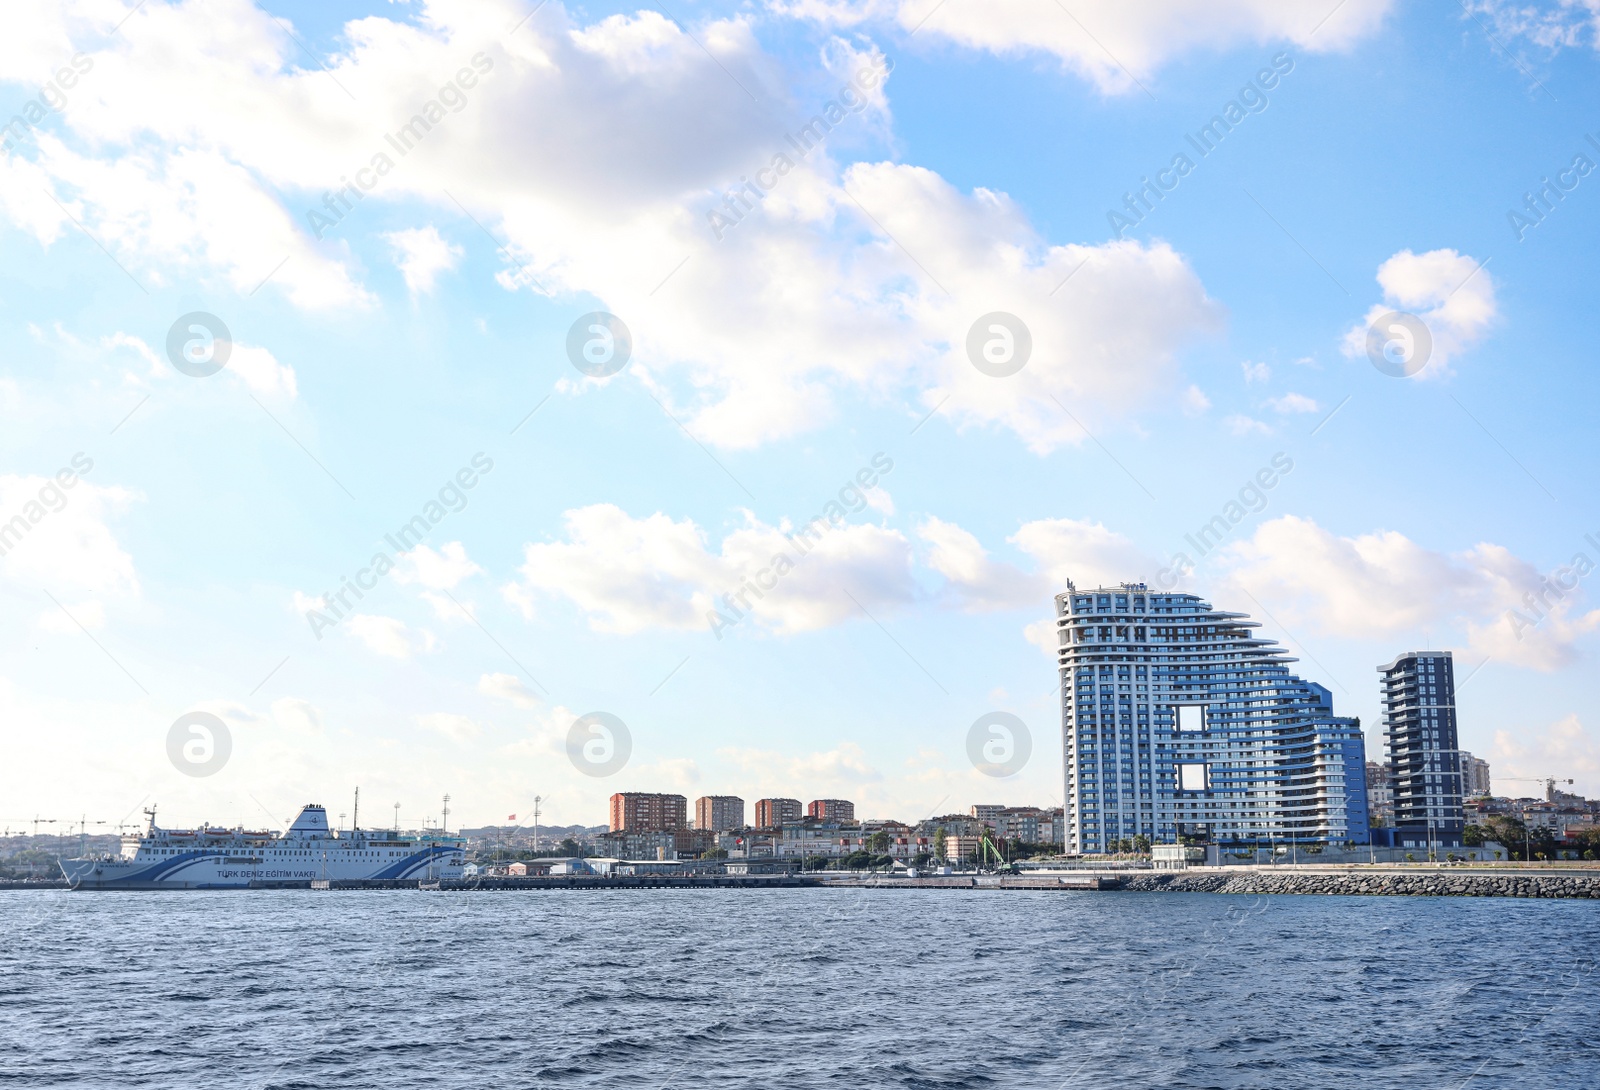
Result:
1376,884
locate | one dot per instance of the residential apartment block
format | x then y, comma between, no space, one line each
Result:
718,813
1474,776
1380,794
838,810
1179,720
1419,728
776,813
1027,824
643,812
622,845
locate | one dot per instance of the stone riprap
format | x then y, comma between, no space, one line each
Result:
1376,884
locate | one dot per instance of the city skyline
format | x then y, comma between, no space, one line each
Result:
754,376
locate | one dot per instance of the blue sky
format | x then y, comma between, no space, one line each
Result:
769,367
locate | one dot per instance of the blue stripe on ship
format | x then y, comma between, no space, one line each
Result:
168,868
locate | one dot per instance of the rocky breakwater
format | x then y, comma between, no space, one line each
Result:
1371,883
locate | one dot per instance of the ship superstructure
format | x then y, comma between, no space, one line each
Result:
239,858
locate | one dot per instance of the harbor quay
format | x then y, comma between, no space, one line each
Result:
1545,881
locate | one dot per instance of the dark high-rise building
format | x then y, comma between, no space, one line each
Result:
776,813
1419,727
642,812
838,810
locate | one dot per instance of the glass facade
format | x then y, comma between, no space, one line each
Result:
1419,727
1179,720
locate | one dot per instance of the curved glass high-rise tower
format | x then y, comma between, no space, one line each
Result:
1178,720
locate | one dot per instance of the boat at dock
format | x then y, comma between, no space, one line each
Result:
238,858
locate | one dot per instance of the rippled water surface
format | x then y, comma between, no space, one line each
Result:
794,988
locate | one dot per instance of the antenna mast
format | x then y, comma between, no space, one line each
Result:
444,822
355,820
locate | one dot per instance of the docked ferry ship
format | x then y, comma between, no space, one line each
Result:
309,852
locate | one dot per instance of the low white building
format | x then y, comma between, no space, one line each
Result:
1175,856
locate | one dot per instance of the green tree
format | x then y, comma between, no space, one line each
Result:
878,842
1141,844
1587,840
938,844
1472,836
1509,831
568,846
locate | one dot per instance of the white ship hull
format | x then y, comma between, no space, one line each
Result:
215,870
236,859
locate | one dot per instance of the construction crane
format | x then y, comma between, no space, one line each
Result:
1549,796
1548,781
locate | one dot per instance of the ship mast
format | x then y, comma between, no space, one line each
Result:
355,819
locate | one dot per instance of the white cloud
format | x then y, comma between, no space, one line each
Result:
880,501
1255,372
59,539
1564,749
253,365
389,636
1293,403
208,168
457,728
297,716
422,254
844,765
91,614
1082,552
1242,425
630,574
1452,293
1063,550
1195,402
1383,585
1567,24
509,688
1097,42
441,570
976,581
261,371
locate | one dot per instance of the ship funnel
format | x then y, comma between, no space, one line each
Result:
313,821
